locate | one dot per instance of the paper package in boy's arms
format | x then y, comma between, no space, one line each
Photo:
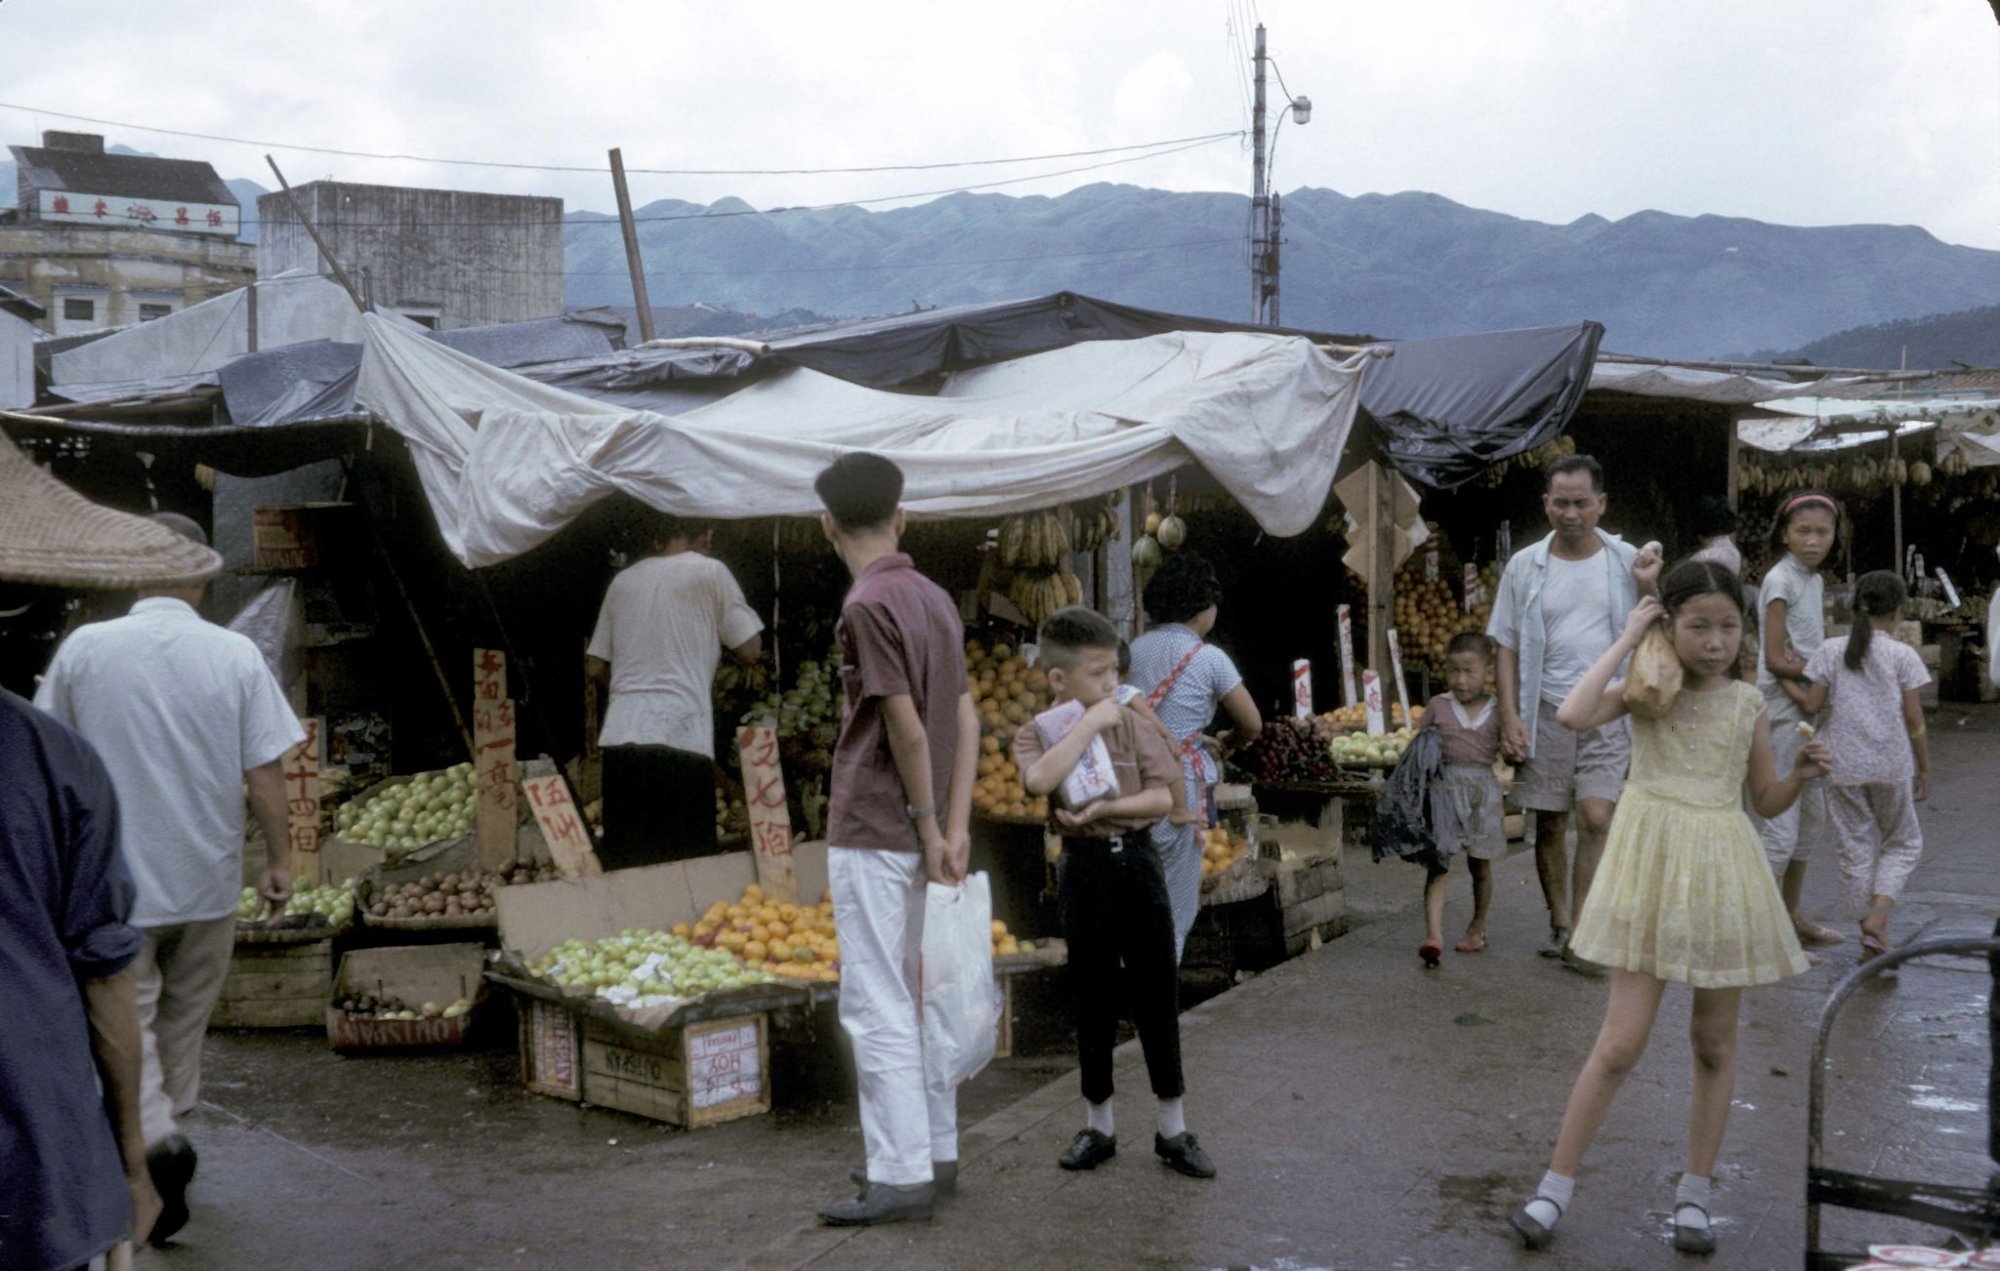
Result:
1092,778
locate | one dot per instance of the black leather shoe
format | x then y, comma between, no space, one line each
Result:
1558,941
1183,1155
171,1164
944,1177
1088,1150
882,1203
1693,1239
1533,1234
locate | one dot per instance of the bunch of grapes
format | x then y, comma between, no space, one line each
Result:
1291,750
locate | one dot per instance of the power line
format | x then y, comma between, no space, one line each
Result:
612,222
599,169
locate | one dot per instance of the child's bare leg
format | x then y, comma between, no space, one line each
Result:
1628,1022
1474,940
1434,907
1712,1033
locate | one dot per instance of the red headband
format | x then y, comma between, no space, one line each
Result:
1810,498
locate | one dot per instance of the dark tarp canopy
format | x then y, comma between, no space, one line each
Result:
1440,410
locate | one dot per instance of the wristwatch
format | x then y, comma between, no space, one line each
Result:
916,813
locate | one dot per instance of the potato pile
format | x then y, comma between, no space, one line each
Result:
1008,693
451,895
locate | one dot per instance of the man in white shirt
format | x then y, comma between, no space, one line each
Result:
660,635
1562,603
184,715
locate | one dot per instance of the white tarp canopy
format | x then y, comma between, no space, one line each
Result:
1727,388
507,461
1967,424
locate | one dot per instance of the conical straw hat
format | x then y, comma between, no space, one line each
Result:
50,534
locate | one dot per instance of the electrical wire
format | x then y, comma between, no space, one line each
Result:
599,169
815,207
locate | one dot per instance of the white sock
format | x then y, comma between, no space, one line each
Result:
1100,1118
1555,1188
1692,1191
1173,1122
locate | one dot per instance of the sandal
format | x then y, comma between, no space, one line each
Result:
1699,1240
1432,952
1813,933
1872,946
1471,944
1533,1234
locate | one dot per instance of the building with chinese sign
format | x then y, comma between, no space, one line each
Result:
442,258
103,240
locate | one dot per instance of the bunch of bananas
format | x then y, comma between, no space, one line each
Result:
1538,458
1037,593
1034,540
1095,523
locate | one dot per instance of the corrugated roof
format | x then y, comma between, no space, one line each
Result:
129,175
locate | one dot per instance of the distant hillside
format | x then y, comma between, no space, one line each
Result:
1404,264
1971,336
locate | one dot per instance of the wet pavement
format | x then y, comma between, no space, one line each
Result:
1363,1113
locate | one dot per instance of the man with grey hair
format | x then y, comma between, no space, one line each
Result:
184,715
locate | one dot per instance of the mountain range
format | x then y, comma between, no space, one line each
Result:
1403,265
1396,265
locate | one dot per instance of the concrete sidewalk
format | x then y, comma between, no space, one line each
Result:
1365,1113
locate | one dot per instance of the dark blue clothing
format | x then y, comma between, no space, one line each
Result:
65,896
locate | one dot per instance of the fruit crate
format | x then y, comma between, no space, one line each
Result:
419,973
277,979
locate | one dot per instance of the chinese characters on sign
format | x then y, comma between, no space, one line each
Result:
570,845
724,1065
493,757
770,818
301,772
104,209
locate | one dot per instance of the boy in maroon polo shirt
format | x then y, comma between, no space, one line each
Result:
901,817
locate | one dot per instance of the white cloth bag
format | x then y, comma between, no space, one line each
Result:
961,1002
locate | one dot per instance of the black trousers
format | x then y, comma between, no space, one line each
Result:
1113,898
659,806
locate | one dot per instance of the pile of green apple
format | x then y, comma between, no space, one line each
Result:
310,906
428,807
644,968
1359,750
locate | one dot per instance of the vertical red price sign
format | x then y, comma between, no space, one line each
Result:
1396,667
493,758
770,817
570,845
301,766
1349,686
1302,689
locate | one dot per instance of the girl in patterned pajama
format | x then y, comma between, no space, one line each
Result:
1868,682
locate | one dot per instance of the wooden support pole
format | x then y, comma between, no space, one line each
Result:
250,302
340,275
633,260
1735,491
1381,562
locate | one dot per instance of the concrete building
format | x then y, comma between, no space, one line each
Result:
443,258
103,240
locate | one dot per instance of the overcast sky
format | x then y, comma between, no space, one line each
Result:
1807,112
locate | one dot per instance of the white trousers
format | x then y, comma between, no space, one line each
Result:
878,915
180,977
1795,833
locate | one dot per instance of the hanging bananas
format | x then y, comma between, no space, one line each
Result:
1034,540
1095,523
1037,593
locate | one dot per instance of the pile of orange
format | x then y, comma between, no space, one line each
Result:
1008,693
1220,849
793,941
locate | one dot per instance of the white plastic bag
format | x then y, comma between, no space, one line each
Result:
961,1003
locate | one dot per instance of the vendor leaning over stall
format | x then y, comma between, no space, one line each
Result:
1185,679
660,635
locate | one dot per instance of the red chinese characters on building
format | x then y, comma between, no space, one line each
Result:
60,205
100,210
214,219
180,216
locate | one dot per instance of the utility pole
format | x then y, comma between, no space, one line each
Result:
633,260
1260,208
1275,241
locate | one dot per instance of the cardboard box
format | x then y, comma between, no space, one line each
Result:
551,1049
536,917
441,973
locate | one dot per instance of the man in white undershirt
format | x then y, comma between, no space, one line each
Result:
1562,603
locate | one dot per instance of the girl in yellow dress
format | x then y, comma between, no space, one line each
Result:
1683,892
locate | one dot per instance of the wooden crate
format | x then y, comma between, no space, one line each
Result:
273,985
688,1076
551,1048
